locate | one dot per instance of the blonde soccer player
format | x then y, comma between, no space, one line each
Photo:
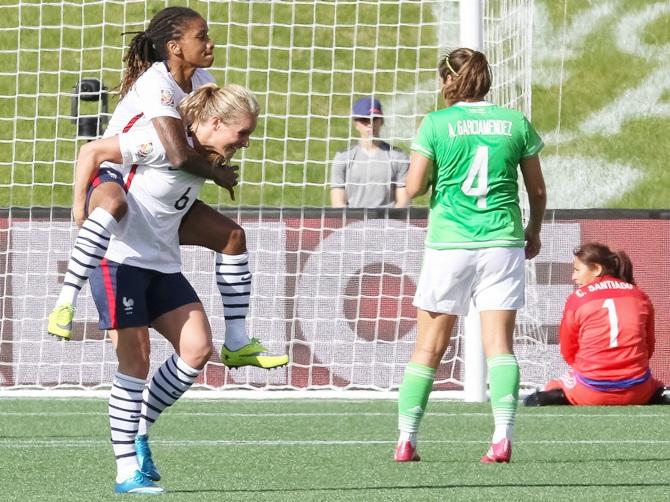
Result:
139,280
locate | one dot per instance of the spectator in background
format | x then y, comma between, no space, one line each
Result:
606,336
371,173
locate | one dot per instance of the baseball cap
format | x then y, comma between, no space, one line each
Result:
366,107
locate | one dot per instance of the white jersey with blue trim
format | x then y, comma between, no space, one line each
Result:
159,196
154,94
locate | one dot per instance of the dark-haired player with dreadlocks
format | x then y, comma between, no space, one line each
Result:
165,63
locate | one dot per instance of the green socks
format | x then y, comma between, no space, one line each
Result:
503,386
416,386
504,389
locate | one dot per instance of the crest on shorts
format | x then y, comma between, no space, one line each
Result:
166,97
144,150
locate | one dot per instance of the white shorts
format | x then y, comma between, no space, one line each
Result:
494,278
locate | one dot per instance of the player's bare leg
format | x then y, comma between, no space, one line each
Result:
107,206
434,333
206,227
497,331
132,348
188,330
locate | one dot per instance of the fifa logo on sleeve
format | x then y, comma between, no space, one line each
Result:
166,97
128,304
144,150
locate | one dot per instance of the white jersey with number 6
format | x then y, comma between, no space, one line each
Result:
159,195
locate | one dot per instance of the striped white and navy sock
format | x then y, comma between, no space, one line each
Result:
125,401
168,384
89,249
234,281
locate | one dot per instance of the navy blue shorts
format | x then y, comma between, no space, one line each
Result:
105,174
130,297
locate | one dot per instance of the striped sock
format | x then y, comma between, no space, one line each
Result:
125,400
417,383
504,389
89,248
234,281
168,384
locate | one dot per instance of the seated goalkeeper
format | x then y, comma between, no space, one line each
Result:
139,282
606,336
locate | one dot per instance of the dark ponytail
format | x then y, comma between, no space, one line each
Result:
141,55
617,264
150,45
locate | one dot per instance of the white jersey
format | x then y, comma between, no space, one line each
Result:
158,198
154,94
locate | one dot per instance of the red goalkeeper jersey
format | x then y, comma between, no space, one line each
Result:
607,333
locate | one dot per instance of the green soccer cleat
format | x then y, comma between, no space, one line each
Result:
60,321
252,354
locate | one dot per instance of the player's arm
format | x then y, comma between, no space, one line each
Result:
418,176
568,337
91,155
170,131
537,201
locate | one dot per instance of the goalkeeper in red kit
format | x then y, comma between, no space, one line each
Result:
606,336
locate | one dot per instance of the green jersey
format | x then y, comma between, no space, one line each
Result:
475,149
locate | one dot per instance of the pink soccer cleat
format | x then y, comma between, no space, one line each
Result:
499,453
405,452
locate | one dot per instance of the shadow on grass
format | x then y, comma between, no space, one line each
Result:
426,487
525,463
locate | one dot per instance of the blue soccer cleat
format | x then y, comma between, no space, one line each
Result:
147,465
139,484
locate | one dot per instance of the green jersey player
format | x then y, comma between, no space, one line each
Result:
469,154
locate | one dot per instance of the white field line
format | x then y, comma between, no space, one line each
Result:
15,443
521,415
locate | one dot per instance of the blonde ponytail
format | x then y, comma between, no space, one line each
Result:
229,103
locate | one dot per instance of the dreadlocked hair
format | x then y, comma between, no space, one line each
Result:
470,75
150,45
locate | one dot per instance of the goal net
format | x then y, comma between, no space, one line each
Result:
333,288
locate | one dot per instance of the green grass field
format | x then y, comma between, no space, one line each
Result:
603,86
298,450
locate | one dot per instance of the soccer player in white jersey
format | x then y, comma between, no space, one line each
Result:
139,281
469,152
164,64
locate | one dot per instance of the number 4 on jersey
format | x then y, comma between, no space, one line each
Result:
479,169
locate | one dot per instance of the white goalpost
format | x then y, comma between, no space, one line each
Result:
333,288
